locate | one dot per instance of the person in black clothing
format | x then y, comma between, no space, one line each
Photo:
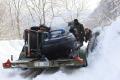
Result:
40,28
78,31
44,28
88,34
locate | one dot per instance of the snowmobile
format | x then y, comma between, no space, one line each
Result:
56,48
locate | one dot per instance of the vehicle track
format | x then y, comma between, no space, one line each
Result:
32,73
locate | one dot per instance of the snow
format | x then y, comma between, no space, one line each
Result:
8,48
103,62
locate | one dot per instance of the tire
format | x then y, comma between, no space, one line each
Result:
22,55
92,43
86,64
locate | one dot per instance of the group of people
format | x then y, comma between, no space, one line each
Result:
79,32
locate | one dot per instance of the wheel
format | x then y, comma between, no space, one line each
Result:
85,60
85,64
22,54
92,43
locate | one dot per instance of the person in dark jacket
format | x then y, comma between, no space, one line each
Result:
78,31
44,28
88,34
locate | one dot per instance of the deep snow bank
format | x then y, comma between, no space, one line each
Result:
103,62
8,48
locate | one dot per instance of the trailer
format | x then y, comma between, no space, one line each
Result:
49,50
78,61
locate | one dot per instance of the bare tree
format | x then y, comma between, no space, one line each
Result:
17,5
29,10
43,10
10,11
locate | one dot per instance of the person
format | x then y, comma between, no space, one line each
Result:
43,28
88,34
78,31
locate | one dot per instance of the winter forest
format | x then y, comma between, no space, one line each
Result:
17,15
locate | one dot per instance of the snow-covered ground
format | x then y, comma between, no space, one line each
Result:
103,63
8,48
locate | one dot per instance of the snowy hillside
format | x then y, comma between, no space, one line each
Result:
106,12
103,62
